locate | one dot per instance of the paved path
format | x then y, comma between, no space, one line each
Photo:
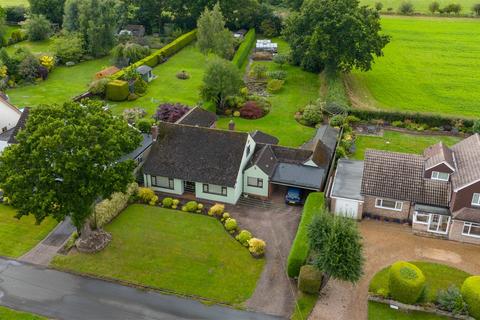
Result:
384,244
44,252
60,295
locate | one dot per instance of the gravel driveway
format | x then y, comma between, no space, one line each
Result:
384,244
275,292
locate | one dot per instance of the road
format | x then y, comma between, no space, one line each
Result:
64,296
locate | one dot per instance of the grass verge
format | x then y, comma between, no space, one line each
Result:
304,306
9,314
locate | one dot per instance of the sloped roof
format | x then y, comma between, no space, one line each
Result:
262,137
197,154
20,125
198,117
327,135
467,214
291,155
400,176
4,101
437,154
467,159
265,159
144,69
144,145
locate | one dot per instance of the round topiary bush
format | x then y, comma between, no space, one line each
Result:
231,224
167,202
406,282
309,279
243,237
471,294
191,206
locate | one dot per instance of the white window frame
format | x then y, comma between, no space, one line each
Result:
470,224
223,190
415,220
436,175
476,202
171,183
432,215
398,204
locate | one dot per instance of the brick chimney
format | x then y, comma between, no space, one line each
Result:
231,125
154,133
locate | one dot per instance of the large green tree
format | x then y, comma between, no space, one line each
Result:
335,34
338,247
67,158
51,9
2,27
212,36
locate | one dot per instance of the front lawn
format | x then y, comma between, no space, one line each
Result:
167,87
181,252
17,237
300,88
380,311
398,142
9,314
438,277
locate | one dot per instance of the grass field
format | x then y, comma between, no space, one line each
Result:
36,47
398,142
300,89
167,87
420,5
19,236
182,252
9,314
431,65
9,3
380,311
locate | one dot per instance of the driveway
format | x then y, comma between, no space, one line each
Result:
64,296
277,225
384,244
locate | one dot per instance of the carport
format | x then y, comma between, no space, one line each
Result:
345,194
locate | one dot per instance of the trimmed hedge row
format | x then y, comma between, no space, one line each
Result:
244,49
117,90
300,248
406,282
432,120
165,52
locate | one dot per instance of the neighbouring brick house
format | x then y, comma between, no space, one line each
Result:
437,192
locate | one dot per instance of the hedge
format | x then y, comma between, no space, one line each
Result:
433,120
117,90
165,52
244,49
406,282
108,209
471,295
310,279
300,248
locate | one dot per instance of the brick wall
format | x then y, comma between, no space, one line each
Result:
456,233
369,207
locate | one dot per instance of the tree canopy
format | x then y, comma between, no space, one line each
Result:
67,158
212,36
338,34
51,9
337,242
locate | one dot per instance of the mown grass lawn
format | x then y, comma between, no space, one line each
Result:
431,65
182,252
9,314
167,87
62,84
10,3
437,276
380,311
17,237
420,5
300,88
36,47
398,142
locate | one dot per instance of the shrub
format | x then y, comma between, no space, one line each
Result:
277,74
280,59
47,61
153,201
169,112
17,36
452,8
337,121
128,53
476,9
406,282
145,125
259,71
28,69
140,86
251,110
300,247
231,225
406,7
132,115
183,75
243,237
225,216
69,48
37,28
274,85
471,294
312,114
241,56
216,210
15,13
352,120
108,209
451,300
98,87
476,126
334,108
378,6
309,279
256,246
132,97
434,7
236,114
117,90
191,206
167,202
146,194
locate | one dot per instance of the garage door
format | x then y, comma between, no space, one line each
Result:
347,208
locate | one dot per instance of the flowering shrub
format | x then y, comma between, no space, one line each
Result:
170,112
216,210
256,246
225,216
243,237
47,61
251,110
146,194
274,85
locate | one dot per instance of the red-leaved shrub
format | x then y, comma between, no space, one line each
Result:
251,110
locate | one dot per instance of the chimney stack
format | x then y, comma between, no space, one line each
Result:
231,125
154,133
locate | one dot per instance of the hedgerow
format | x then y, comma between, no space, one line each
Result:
244,50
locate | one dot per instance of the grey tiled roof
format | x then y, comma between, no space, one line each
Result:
467,214
437,154
467,158
400,176
198,117
20,125
262,137
265,159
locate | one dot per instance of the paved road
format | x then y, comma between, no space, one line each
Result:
64,296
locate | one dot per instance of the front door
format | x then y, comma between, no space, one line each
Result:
438,223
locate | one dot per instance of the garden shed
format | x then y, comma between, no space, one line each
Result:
146,73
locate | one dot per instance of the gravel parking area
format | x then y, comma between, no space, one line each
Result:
384,244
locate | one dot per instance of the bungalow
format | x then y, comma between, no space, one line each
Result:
223,165
437,192
8,137
199,117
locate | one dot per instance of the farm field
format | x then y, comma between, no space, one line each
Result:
398,142
9,3
430,65
420,5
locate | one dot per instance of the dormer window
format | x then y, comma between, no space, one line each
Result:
476,199
442,176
